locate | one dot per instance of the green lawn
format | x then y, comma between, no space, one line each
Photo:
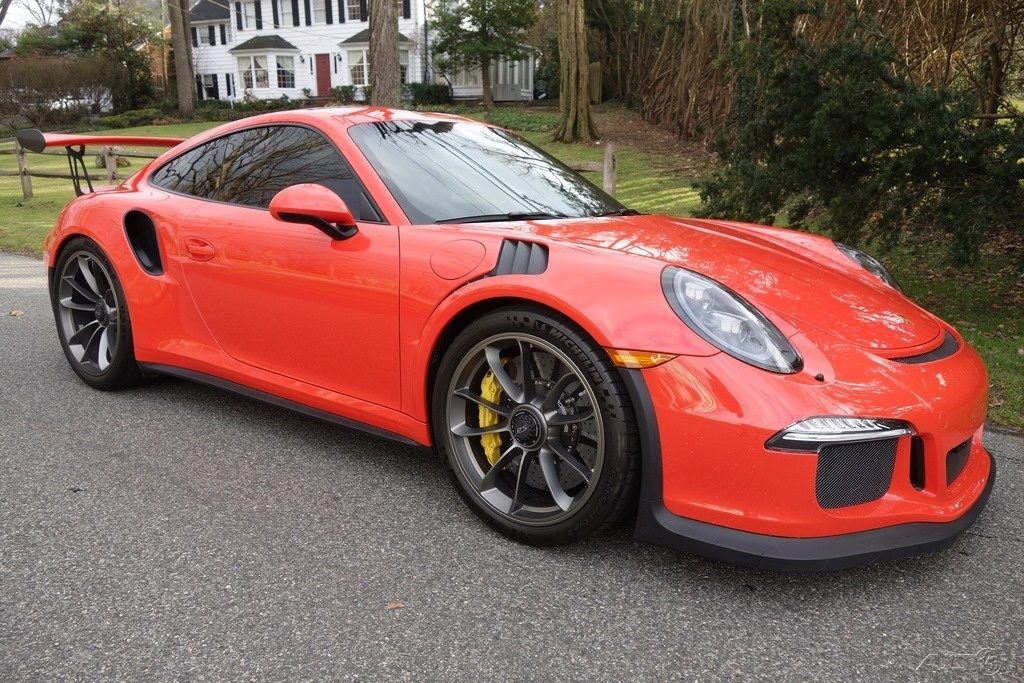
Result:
974,300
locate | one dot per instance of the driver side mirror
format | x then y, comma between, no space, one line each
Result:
317,206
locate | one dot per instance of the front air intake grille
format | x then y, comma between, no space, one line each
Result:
854,473
955,461
947,348
521,258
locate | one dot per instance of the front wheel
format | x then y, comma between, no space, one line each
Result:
537,427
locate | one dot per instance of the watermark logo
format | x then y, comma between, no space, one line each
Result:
987,662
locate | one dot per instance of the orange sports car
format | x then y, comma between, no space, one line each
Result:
753,394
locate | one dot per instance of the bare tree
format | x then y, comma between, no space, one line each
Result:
42,12
574,101
177,11
385,72
4,6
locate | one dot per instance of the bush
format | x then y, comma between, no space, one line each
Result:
429,93
343,94
838,136
523,120
130,118
55,91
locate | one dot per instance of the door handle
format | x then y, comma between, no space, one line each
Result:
199,249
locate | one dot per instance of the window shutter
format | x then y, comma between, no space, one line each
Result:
406,9
364,13
216,89
238,15
199,85
213,34
295,13
273,11
328,11
341,11
259,15
195,37
223,35
309,14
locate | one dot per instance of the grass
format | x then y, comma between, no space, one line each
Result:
980,301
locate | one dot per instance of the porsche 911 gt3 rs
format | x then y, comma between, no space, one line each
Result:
749,393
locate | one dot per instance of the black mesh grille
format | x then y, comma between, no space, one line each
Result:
853,473
947,348
955,461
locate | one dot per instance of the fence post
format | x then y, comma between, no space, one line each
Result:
610,172
110,162
26,179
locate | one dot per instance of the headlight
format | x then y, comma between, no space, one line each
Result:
722,318
869,263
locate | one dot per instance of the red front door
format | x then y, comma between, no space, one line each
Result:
323,75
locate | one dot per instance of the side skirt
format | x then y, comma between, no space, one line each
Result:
249,392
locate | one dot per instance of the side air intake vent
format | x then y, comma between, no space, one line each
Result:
947,348
521,258
141,233
853,473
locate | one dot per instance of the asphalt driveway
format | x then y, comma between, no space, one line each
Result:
176,531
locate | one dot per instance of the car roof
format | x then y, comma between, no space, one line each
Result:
348,116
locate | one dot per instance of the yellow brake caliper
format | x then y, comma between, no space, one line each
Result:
490,390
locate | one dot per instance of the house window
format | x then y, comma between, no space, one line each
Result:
358,69
465,78
204,36
254,72
249,15
285,71
285,11
319,12
210,87
359,66
353,10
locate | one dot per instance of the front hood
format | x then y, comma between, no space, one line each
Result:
801,278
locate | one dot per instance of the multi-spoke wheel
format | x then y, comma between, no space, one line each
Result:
536,426
92,320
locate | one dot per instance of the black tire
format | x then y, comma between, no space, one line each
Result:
611,492
118,369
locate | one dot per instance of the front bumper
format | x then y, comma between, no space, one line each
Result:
711,486
655,524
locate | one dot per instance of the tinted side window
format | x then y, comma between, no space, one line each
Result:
260,162
251,166
195,172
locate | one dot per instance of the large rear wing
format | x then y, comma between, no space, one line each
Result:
75,144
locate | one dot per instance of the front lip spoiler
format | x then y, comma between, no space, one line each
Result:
656,524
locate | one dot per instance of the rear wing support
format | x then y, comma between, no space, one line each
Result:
75,144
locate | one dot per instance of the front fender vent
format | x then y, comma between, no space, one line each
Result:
947,348
521,258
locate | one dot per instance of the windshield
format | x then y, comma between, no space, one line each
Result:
444,171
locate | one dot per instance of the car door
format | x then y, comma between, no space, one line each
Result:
285,297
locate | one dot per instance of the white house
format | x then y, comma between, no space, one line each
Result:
266,49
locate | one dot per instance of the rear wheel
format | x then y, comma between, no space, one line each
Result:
92,319
536,426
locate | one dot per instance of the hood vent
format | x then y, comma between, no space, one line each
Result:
947,348
521,258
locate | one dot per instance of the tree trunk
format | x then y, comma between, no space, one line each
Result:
385,72
181,42
485,82
574,100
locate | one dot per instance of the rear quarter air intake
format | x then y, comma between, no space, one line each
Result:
141,233
518,257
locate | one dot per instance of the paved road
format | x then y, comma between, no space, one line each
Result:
179,532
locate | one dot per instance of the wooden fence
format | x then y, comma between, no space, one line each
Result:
108,154
607,167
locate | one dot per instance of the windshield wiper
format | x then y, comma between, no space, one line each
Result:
615,212
496,217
